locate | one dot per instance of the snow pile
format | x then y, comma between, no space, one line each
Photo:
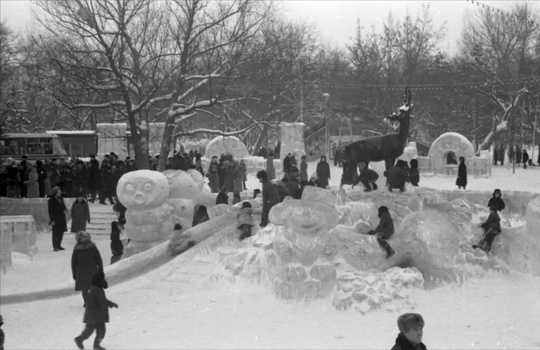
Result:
366,291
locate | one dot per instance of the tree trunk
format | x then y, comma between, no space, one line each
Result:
492,136
140,156
166,145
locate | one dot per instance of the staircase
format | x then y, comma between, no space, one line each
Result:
101,218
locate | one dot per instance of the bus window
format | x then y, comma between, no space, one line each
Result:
12,147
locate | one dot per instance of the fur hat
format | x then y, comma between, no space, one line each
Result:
497,191
55,189
383,209
83,236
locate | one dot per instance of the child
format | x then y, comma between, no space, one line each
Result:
117,248
368,178
384,231
497,200
461,180
411,330
414,175
222,197
244,221
491,227
96,313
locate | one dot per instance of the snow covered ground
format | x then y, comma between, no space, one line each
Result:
194,310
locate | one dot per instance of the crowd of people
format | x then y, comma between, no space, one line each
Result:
521,156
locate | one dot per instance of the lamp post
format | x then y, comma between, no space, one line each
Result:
326,98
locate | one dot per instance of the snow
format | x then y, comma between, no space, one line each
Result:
192,303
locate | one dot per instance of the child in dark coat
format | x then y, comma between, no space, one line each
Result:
117,248
384,231
85,262
222,197
411,330
491,227
368,178
414,174
497,200
96,313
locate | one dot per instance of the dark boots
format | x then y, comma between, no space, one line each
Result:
384,245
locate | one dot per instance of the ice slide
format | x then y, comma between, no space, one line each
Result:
141,263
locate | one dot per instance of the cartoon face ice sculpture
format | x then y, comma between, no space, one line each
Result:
144,193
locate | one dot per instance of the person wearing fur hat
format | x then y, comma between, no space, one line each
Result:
384,231
80,214
85,262
96,313
57,216
497,200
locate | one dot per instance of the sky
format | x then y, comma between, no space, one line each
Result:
334,20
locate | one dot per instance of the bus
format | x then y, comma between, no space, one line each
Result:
34,146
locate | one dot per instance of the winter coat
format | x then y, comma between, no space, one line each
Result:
462,175
525,156
242,172
85,262
66,182
230,177
80,180
237,181
222,198
303,171
97,306
386,226
270,196
57,214
282,190
368,175
493,222
94,175
293,185
287,164
244,217
117,248
323,174
270,170
213,178
497,202
402,343
80,215
397,177
32,186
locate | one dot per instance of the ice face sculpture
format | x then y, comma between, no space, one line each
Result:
144,193
185,187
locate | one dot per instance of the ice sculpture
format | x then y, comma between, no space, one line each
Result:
292,140
144,193
226,144
185,189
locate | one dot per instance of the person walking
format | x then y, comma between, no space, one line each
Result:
85,262
96,313
80,214
323,172
525,158
461,180
57,216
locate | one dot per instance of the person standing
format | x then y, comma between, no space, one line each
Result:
94,178
500,154
213,177
57,216
117,247
323,172
303,169
32,184
85,262
270,196
80,214
414,174
525,158
42,176
461,180
270,170
242,173
287,163
96,313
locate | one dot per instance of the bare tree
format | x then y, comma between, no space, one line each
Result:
150,61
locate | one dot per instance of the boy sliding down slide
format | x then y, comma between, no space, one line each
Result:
384,231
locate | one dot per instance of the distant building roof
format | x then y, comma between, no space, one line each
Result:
71,132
